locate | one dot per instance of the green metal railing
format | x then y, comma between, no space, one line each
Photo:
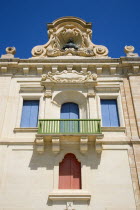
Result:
69,126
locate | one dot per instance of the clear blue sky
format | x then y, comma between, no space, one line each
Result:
115,23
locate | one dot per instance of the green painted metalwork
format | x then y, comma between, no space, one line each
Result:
69,126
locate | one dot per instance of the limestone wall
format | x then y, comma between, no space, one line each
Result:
135,91
28,178
4,98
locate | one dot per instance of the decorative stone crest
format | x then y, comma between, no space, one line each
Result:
69,77
69,36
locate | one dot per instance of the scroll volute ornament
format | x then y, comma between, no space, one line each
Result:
65,29
129,50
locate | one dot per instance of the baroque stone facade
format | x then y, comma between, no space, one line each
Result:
70,70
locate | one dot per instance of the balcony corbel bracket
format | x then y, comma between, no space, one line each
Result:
56,145
98,147
84,144
39,145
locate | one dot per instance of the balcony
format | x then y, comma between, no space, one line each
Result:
69,126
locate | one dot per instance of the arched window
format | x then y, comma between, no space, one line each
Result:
70,173
69,112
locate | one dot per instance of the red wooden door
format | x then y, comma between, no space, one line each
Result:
70,173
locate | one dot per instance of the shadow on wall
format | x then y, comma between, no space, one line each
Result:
48,159
94,158
44,160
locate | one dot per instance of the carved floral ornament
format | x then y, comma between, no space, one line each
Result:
69,77
60,32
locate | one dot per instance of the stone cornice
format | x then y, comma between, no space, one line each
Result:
70,60
76,59
128,65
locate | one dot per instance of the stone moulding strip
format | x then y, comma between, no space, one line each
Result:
31,88
108,88
114,142
17,143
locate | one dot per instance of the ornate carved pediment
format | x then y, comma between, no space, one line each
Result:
69,77
69,36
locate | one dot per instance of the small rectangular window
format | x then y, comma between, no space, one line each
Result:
30,113
109,109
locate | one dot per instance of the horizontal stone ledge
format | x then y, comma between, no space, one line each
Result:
113,129
99,136
70,195
32,129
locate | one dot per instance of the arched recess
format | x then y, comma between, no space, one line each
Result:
70,173
74,97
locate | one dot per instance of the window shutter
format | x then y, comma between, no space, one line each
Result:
105,113
64,174
65,112
25,120
34,113
74,111
75,174
30,113
113,111
109,110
